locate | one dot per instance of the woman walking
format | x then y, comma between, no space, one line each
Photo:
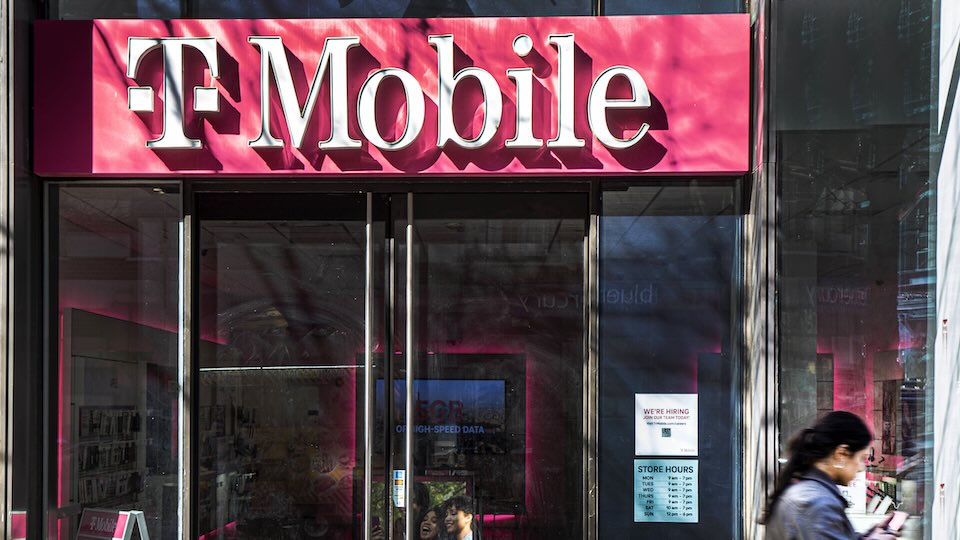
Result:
806,504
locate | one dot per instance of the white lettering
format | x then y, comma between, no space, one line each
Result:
334,54
523,77
366,109
333,66
598,103
566,138
447,84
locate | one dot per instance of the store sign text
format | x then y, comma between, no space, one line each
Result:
333,65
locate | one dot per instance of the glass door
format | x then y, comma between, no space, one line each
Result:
282,319
391,366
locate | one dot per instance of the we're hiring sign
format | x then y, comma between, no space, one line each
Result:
509,96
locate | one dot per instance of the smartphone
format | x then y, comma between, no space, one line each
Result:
896,522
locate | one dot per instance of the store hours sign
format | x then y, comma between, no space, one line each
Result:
544,96
666,490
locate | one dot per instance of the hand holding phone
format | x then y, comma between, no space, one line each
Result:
896,521
377,533
889,528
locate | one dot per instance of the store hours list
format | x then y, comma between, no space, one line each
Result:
666,490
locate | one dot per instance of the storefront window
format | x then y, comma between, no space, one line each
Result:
118,9
333,9
669,364
325,9
672,7
116,267
390,8
856,264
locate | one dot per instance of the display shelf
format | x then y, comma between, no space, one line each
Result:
130,467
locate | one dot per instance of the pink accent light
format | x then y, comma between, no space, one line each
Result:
227,532
696,68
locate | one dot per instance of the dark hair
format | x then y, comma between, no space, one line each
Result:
837,428
436,510
460,502
421,495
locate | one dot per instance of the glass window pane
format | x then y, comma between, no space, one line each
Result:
672,7
669,366
117,268
856,278
498,382
118,9
389,8
280,368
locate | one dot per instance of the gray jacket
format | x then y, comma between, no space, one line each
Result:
811,509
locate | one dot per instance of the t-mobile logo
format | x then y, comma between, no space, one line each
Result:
140,98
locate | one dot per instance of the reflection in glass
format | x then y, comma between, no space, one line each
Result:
316,9
672,7
498,285
856,271
118,9
389,8
856,289
117,267
668,260
282,327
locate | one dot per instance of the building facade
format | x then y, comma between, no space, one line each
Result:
575,269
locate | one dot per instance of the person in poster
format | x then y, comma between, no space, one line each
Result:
458,519
420,502
430,524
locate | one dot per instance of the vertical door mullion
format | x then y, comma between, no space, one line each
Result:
388,359
408,438
187,345
368,377
591,363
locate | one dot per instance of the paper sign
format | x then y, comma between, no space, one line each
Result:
666,425
856,493
666,491
399,493
97,524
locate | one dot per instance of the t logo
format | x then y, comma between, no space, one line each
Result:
140,98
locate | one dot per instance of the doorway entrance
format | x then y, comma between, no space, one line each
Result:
392,366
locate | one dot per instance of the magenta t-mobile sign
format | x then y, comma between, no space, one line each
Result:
443,97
